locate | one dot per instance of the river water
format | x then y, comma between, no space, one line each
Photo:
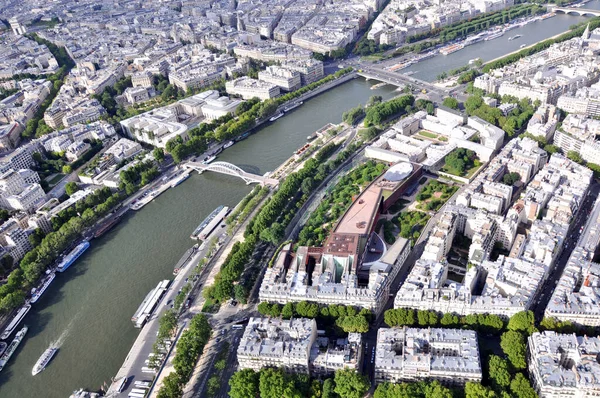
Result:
534,32
87,309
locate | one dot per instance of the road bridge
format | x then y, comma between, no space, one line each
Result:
398,79
232,170
582,12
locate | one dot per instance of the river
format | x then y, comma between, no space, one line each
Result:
88,308
534,32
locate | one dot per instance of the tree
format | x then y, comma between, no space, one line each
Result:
244,384
350,384
167,325
159,154
511,178
476,390
499,374
450,102
172,387
551,149
328,389
513,345
71,188
522,322
521,387
36,237
287,311
575,156
272,383
67,169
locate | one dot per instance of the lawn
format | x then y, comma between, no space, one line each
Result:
428,134
55,178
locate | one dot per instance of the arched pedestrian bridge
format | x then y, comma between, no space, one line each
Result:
583,12
232,170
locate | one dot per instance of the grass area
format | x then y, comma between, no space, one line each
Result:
211,306
55,178
428,134
443,139
373,57
470,172
434,194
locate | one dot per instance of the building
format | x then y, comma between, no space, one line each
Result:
18,194
311,70
142,79
248,88
296,346
76,150
10,135
450,356
564,365
155,127
215,108
285,79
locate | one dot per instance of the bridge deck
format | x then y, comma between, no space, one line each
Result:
232,170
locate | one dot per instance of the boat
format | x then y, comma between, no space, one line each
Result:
243,136
451,48
12,347
211,221
228,144
208,159
546,16
275,117
378,85
38,292
523,46
494,36
107,226
72,256
15,321
514,37
2,347
149,304
474,39
44,360
184,259
179,179
510,27
472,61
289,107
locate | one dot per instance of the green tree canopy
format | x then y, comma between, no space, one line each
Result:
350,384
244,384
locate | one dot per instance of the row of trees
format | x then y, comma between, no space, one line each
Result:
189,347
333,206
354,115
275,383
90,202
348,318
384,111
486,323
33,264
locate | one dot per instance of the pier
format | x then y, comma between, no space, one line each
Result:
232,170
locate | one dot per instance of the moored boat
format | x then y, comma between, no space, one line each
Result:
179,179
72,256
228,144
38,292
12,347
44,360
15,321
452,48
107,226
292,106
208,159
275,117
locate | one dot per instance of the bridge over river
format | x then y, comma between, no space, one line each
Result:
232,170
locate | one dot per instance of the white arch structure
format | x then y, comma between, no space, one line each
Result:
232,170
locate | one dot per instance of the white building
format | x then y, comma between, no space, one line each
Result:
248,88
215,108
450,356
155,127
564,365
285,79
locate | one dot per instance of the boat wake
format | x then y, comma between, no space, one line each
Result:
63,336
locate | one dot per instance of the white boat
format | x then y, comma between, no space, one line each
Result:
228,144
523,46
292,106
15,321
44,360
275,117
494,36
12,347
179,179
208,159
38,293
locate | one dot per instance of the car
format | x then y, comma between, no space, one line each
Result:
169,302
218,339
